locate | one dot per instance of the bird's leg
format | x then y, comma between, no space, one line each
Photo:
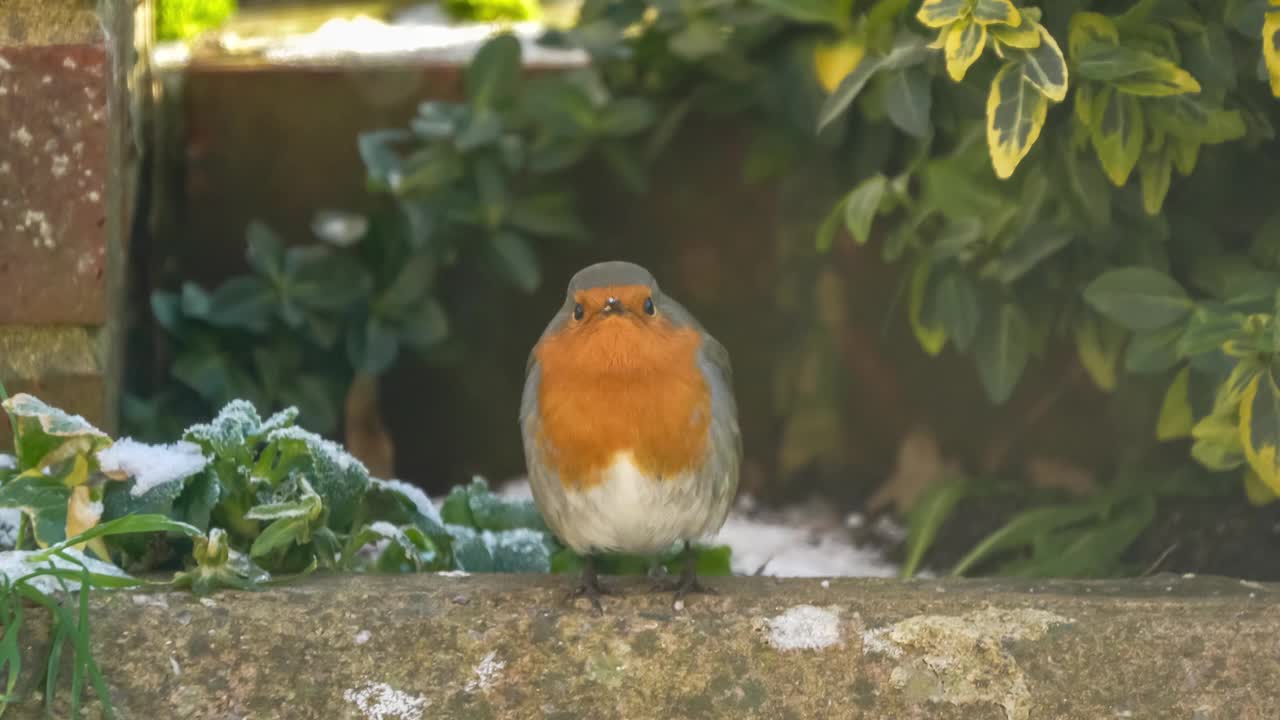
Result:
688,582
589,585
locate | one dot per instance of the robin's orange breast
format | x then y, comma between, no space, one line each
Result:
621,385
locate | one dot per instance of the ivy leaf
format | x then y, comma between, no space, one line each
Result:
861,206
494,71
1138,298
1016,113
964,45
1133,71
1117,134
908,100
1046,68
1003,12
1003,347
941,13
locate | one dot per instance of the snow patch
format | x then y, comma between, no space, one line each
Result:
486,672
10,519
8,462
804,627
380,701
151,466
15,564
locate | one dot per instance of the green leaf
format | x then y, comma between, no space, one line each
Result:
1138,298
909,49
494,71
43,500
1031,246
279,535
830,12
929,333
243,302
1002,348
1208,328
1016,113
862,205
1155,172
264,250
1091,32
626,117
908,100
482,128
426,326
1133,71
1117,133
381,160
927,515
698,40
372,346
515,260
549,213
1189,117
1098,346
1045,67
1209,57
1175,419
963,46
1023,530
941,13
1092,551
996,11
957,308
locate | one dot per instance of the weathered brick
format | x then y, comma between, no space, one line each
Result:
53,169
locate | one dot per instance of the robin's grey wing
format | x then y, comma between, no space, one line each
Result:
725,454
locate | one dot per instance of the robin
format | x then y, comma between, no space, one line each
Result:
629,424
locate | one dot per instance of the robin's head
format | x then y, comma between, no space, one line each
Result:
613,311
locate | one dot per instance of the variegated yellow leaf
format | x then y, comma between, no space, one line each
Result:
940,13
1045,67
964,46
1260,427
1118,132
833,61
1256,491
1175,419
1098,346
1271,46
1016,112
1217,443
1023,37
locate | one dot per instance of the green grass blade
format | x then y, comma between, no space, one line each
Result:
122,526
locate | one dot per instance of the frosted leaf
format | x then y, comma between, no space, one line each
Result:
233,426
283,419
52,420
516,550
151,466
337,476
395,499
15,564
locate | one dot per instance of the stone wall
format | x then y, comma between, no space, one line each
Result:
508,646
64,198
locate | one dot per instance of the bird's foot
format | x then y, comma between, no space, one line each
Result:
589,587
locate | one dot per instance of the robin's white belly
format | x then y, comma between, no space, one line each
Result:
629,511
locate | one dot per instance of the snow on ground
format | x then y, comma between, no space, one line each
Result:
797,542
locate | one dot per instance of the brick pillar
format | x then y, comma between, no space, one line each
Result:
65,184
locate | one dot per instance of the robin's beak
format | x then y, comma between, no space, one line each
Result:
613,306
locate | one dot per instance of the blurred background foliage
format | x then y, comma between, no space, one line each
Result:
1067,208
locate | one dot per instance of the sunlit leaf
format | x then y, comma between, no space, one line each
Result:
1260,428
1155,171
1024,37
1271,47
996,11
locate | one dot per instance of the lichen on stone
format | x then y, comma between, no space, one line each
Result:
963,659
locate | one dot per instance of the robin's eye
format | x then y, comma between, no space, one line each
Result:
648,306
577,311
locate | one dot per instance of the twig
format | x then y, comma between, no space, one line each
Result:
1159,560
